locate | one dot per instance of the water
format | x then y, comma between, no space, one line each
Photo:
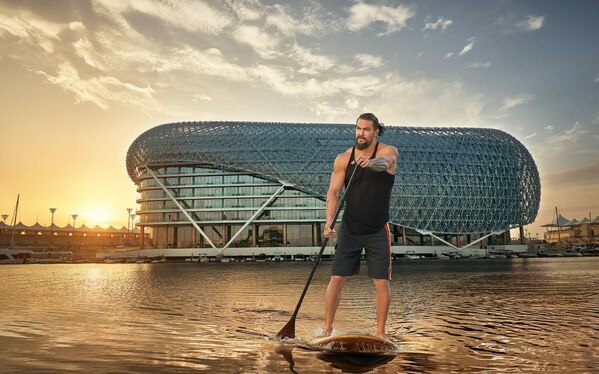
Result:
520,315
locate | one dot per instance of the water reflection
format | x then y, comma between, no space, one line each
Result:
522,315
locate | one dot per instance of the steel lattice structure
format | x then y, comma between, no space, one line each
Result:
449,180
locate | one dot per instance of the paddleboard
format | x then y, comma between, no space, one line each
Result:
354,343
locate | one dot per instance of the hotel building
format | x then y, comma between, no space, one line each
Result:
243,188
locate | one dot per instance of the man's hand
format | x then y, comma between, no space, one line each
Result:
327,230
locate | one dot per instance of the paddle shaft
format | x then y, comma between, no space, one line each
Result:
288,331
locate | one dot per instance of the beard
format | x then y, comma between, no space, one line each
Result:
364,145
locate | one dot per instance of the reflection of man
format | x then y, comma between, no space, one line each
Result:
364,222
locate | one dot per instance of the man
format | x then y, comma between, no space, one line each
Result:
364,222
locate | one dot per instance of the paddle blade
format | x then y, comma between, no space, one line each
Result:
288,331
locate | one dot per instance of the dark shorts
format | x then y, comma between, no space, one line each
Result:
349,250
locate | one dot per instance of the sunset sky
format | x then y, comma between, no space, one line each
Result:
80,80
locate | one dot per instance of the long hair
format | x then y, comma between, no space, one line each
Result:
375,121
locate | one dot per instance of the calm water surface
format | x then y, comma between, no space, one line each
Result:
520,315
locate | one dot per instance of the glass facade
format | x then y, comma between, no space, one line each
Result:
217,176
221,202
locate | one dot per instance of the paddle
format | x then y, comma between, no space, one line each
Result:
288,331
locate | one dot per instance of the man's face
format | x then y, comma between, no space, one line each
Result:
365,133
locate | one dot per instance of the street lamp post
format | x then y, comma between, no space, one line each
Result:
74,219
132,215
4,217
52,210
128,220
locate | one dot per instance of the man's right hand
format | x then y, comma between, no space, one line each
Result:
327,230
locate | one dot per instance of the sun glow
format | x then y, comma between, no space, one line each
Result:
96,216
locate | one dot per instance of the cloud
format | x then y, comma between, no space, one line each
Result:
515,101
102,91
530,136
477,65
311,63
201,97
192,16
597,79
440,23
368,61
574,134
29,29
264,44
549,128
209,62
85,49
425,102
466,49
362,15
314,20
245,11
532,23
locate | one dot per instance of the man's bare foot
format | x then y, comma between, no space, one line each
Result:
323,333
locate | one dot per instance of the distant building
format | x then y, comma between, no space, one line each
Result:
224,185
83,241
564,232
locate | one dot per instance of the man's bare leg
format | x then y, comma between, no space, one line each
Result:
333,297
381,301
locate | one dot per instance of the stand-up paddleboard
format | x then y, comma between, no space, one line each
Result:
354,343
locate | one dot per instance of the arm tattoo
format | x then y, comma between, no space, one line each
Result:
378,164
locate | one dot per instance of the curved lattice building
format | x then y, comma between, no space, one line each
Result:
247,184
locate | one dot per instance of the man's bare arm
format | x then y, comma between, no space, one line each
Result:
337,180
385,162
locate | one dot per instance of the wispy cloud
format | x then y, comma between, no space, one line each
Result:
210,62
310,62
477,65
572,135
362,15
85,49
515,101
532,23
549,128
264,44
245,11
102,91
467,48
201,97
314,20
31,30
408,102
368,61
440,23
192,16
530,136
509,103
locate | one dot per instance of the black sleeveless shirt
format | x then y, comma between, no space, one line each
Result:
367,199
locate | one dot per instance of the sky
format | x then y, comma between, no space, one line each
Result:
81,80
